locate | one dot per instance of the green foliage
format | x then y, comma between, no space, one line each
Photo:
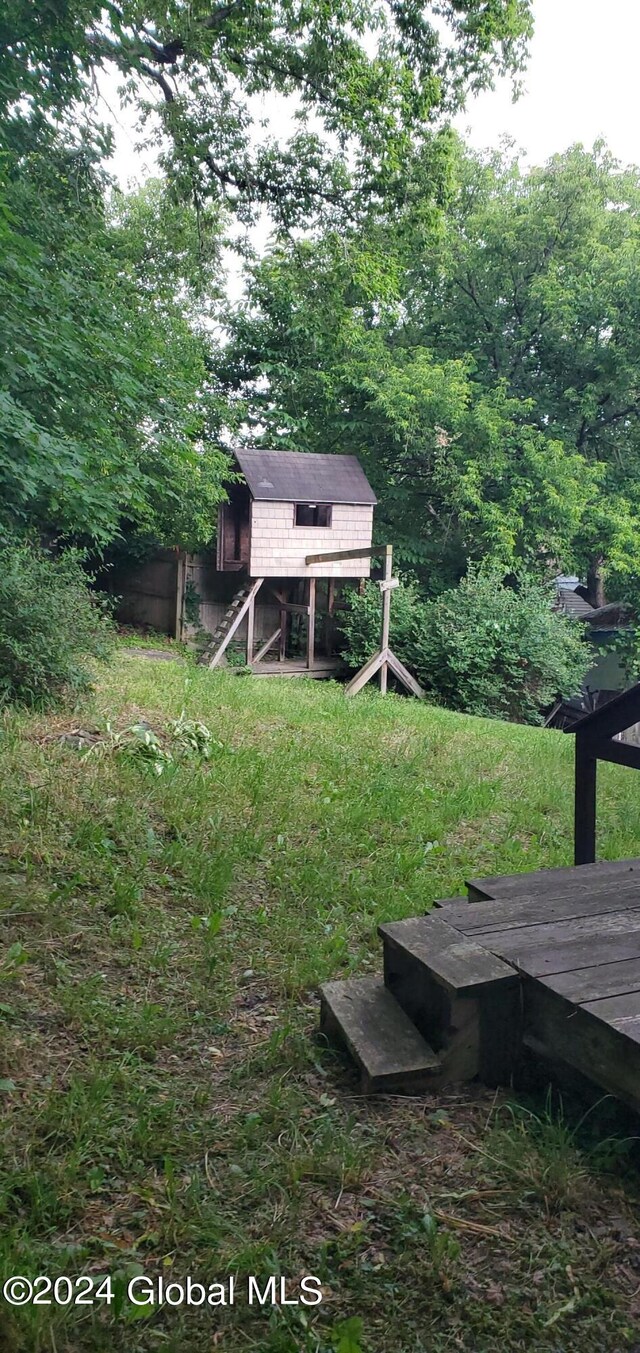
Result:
478,350
372,77
500,651
481,647
107,419
51,624
360,618
111,421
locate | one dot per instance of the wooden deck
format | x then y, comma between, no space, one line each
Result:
322,670
547,961
574,938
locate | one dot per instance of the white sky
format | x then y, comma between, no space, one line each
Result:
581,83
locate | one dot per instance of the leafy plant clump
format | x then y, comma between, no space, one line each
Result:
500,651
361,617
183,739
482,647
51,625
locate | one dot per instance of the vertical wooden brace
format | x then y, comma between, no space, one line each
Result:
386,616
251,621
181,573
585,803
311,632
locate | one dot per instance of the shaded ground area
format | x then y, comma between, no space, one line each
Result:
167,1105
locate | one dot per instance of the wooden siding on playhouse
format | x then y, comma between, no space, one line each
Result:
278,547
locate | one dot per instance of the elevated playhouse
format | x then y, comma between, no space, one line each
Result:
289,506
297,524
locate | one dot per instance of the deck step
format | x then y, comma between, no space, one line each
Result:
457,963
445,903
459,995
364,1016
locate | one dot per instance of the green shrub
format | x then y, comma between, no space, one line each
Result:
359,622
50,624
481,647
500,651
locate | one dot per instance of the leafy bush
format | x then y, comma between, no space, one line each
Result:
481,647
501,651
50,624
360,620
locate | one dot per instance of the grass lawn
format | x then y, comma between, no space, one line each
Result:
165,1104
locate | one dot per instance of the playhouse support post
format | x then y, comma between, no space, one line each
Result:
251,618
386,615
181,576
585,803
311,622
328,619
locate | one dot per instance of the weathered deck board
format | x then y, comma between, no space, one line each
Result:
569,879
621,1012
531,939
567,1033
529,909
460,964
593,983
390,1052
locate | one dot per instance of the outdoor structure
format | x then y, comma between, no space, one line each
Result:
294,528
602,625
610,733
291,505
543,965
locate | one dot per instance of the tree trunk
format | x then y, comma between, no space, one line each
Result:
595,582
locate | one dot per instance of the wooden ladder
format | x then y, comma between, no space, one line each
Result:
243,602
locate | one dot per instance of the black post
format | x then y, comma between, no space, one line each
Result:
585,803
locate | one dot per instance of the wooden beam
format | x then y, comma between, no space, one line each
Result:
265,647
251,620
585,803
400,671
367,552
294,607
386,614
251,596
623,753
181,569
328,626
365,674
311,626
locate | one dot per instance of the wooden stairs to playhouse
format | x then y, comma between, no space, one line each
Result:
230,622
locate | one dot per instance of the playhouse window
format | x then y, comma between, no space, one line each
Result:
312,514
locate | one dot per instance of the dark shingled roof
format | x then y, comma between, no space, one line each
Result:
304,477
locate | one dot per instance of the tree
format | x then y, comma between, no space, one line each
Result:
371,75
537,280
106,407
463,471
482,359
